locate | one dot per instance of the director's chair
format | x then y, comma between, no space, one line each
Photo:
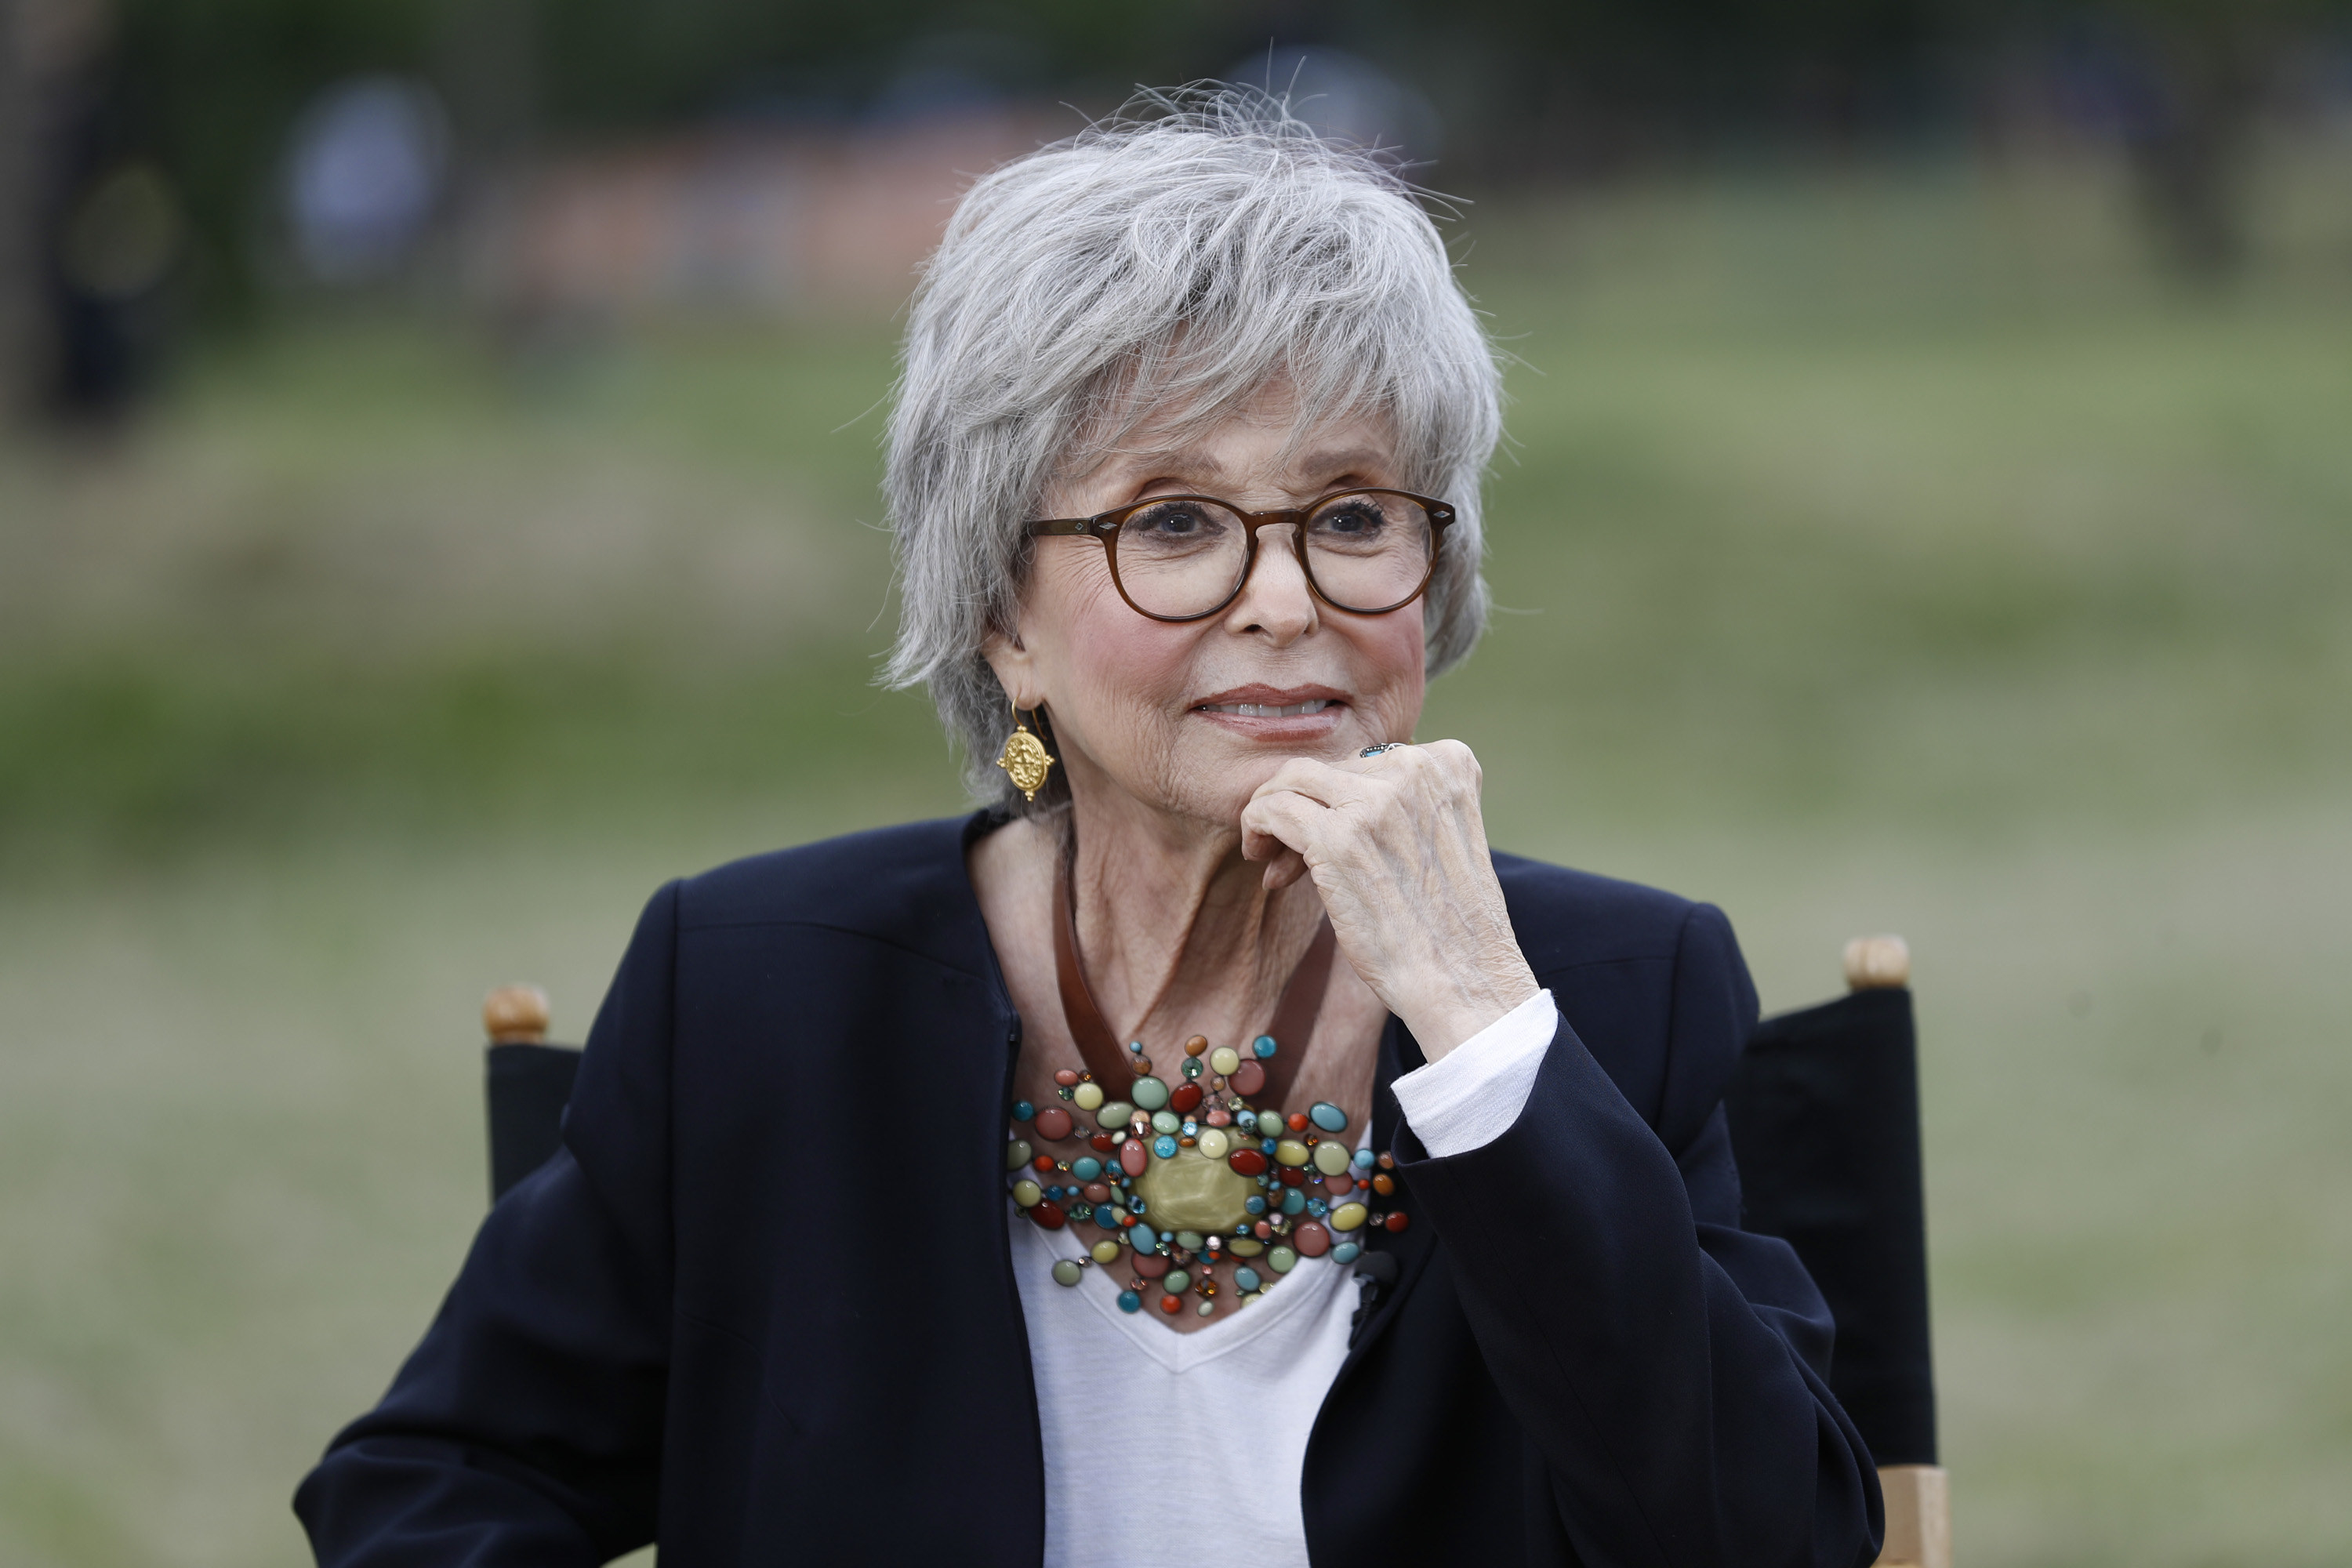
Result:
1824,1111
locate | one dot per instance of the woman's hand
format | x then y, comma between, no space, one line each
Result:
1398,849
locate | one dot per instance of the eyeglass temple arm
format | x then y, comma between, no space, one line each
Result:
1060,525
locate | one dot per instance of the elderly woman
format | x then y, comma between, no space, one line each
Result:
1210,1150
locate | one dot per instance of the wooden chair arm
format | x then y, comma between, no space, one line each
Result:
1918,1517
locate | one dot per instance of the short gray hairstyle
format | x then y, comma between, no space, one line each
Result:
1169,262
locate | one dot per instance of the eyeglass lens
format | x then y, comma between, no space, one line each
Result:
1365,552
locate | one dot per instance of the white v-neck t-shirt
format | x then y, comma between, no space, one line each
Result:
1143,1425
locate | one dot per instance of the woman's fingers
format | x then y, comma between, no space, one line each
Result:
1397,847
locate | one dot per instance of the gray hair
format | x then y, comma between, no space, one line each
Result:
1169,262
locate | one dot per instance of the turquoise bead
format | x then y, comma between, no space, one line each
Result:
1087,1169
1263,1046
1365,1158
1128,1302
1135,1045
1346,1252
1328,1116
1150,1094
1165,1147
1254,1205
1246,1279
1293,1200
1023,1111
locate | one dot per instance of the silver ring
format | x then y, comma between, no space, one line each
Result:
1374,751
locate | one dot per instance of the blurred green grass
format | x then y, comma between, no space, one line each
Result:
1874,552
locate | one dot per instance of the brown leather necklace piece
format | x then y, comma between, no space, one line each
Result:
1112,1065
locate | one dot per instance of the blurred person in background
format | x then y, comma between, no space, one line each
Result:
1210,1147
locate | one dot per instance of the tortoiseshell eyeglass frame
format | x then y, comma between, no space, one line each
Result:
1105,526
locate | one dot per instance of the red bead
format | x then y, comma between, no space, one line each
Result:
1043,1165
1097,1192
1398,1221
1101,1143
1247,1080
1262,1230
1067,1076
1298,1119
1048,1214
1183,1103
1054,1124
1293,1177
1150,1265
1132,1156
1171,1305
1247,1162
1339,1186
1311,1239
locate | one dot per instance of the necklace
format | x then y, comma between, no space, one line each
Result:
1181,1181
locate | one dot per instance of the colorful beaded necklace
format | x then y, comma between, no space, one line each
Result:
1184,1180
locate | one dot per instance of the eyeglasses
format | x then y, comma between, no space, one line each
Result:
1180,558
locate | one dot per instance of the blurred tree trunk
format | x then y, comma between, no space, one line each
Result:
489,66
24,335
2192,156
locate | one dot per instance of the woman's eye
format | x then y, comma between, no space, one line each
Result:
1350,517
1172,521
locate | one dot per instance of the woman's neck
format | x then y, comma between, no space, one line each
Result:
1176,930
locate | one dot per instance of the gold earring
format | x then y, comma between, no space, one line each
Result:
1025,759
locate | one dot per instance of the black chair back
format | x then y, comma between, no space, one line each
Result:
1824,1113
528,1087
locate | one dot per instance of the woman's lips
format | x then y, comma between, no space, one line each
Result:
1268,709
1286,722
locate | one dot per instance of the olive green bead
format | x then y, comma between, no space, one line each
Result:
1067,1272
1017,1153
1282,1260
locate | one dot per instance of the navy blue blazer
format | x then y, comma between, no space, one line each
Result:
682,1327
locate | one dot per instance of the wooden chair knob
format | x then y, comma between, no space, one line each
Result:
1877,963
515,1015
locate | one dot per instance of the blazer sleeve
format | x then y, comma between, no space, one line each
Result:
1669,1365
527,1427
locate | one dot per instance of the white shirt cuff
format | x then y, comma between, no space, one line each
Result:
1469,1097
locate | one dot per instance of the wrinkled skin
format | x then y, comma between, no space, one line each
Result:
1210,842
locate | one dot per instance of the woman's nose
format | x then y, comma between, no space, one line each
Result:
1275,601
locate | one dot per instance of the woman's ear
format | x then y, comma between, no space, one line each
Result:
1014,664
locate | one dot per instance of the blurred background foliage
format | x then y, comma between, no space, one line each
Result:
1926,509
